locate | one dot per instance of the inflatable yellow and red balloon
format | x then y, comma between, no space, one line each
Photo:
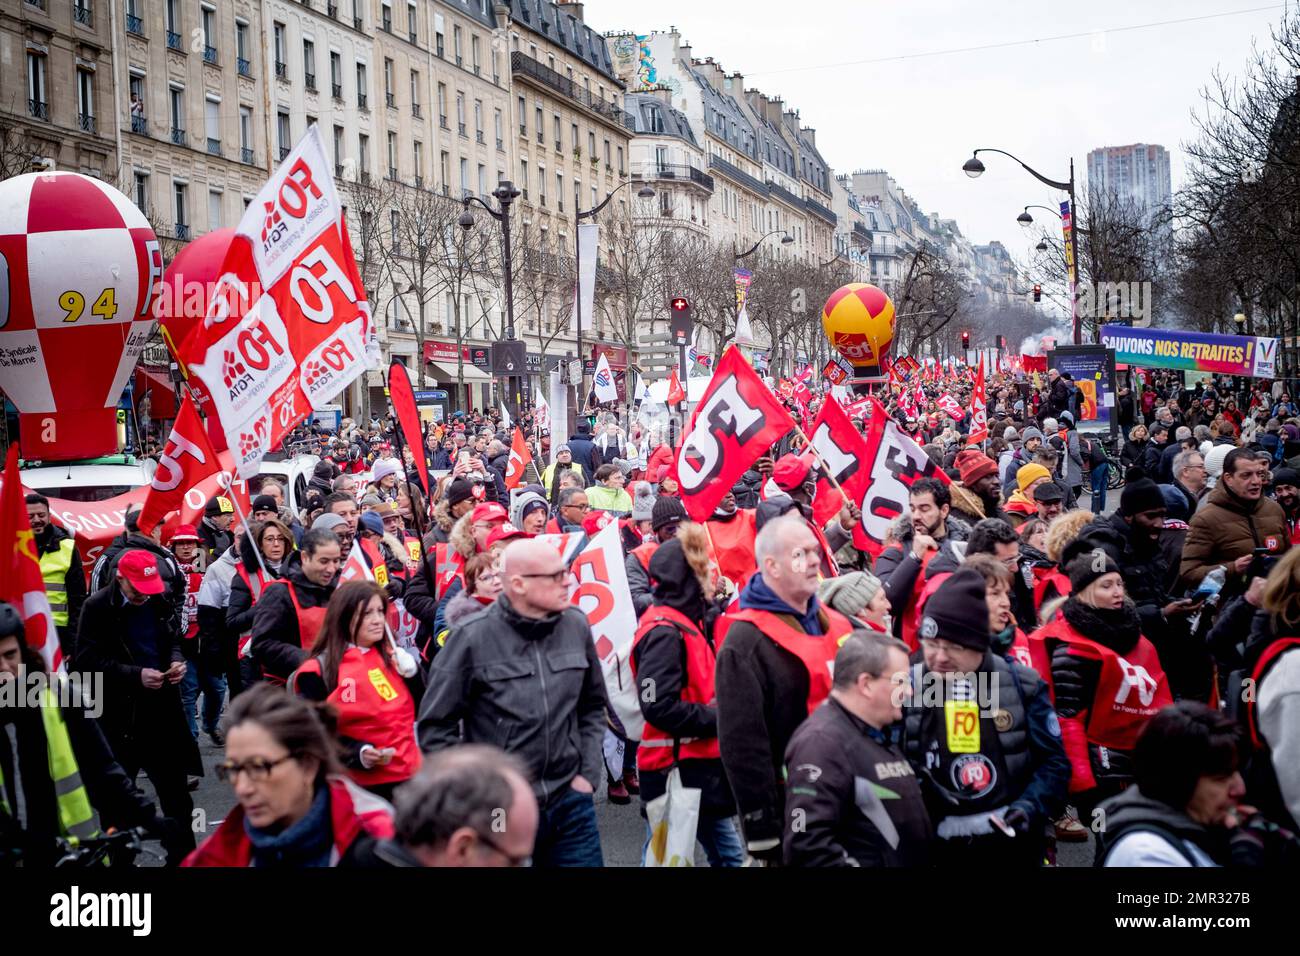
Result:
859,322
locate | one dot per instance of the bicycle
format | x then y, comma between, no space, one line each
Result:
116,848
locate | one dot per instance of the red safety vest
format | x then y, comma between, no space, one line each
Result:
1130,691
1019,651
377,708
645,552
656,750
1045,579
911,626
1266,660
816,652
310,621
255,583
448,565
733,545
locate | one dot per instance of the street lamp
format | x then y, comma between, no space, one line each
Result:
786,239
645,192
1027,220
1042,245
973,167
505,194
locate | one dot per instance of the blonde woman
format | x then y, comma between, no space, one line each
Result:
1136,446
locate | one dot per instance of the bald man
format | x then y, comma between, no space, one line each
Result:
523,675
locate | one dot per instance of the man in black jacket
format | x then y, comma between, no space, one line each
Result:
105,570
1058,396
852,799
290,614
524,676
214,529
584,452
114,800
676,659
126,635
65,578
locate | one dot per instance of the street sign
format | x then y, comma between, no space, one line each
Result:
656,338
509,358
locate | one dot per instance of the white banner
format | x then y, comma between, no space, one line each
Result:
559,413
588,244
603,382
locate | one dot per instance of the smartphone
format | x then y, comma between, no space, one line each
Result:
1002,825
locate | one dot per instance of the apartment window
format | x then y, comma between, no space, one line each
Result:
455,44
281,55
136,86
577,195
607,163
464,177
86,100
178,114
442,105
38,104
541,185
444,167
482,180
388,80
661,158
555,124
336,74
241,48
591,145
212,124
361,85
620,161
180,210
573,136
309,64
363,157
439,34
282,132
478,120
392,155
142,192
214,209
473,53
523,117
559,190
417,157
540,125
496,126
665,204
415,92
394,223
172,13
338,150
460,113
523,177
411,16
209,19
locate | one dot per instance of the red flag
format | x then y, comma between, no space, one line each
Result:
979,427
408,418
893,463
951,407
187,459
843,452
733,426
520,456
21,583
676,393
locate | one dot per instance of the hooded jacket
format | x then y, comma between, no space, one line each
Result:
74,581
239,606
900,572
660,658
532,687
1143,832
521,502
105,572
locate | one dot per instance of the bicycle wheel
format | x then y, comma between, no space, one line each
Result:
1115,479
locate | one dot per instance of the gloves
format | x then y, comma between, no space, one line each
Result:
1017,819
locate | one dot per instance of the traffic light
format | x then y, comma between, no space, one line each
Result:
680,319
965,340
1038,292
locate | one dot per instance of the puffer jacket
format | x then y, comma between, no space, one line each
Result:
1225,528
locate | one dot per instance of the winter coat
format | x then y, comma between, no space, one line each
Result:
277,644
1144,832
105,571
239,607
901,573
1225,528
1133,452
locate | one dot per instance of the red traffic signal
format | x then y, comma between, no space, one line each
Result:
965,340
1038,292
679,304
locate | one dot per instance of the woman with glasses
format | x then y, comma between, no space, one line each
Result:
482,585
351,667
275,543
296,807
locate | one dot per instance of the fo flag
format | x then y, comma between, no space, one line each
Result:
893,462
520,457
733,426
21,583
951,407
287,325
187,459
843,453
402,396
979,426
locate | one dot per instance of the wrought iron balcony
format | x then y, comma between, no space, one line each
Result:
415,111
214,146
356,23
86,122
39,109
338,90
309,81
738,175
284,153
210,54
134,25
525,65
139,124
281,70
178,136
174,41
390,100
182,230
820,211
82,15
332,10
361,101
676,172
245,68
246,155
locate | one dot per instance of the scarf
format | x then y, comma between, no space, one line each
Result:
307,843
1119,629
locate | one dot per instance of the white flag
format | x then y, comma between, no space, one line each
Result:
542,413
604,381
744,334
505,416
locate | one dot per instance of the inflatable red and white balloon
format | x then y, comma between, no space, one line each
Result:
79,265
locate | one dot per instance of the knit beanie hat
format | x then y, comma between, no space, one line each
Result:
460,489
1026,475
973,465
1286,476
958,612
1088,567
666,510
643,502
849,593
1140,494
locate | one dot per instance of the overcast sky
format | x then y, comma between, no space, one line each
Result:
920,117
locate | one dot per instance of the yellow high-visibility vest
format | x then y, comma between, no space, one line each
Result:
54,569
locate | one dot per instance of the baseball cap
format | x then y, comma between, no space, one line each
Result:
141,569
218,506
185,532
791,471
505,532
488,511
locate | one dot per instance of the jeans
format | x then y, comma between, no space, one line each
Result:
720,839
198,678
1100,479
566,833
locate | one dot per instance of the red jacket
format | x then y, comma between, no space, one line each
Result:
661,459
353,811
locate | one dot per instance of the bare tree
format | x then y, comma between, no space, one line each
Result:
931,293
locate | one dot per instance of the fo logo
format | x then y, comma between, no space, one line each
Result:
333,358
231,368
252,352
293,200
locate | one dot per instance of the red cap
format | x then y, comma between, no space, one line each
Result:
488,511
790,471
141,569
506,532
596,521
185,532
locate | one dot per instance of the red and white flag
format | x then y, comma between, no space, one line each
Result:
402,626
951,407
843,453
187,459
733,426
21,583
520,457
979,427
676,394
355,568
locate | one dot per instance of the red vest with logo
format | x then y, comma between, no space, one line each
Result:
645,552
816,652
1019,650
375,707
911,618
656,750
310,621
1048,583
193,581
448,565
1129,692
255,583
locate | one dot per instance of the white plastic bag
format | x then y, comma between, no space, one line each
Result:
673,820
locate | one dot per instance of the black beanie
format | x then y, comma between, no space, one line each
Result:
1286,476
1088,567
958,612
667,509
265,503
460,489
1139,496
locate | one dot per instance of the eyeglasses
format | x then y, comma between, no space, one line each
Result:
579,507
938,644
257,768
558,577
515,861
273,539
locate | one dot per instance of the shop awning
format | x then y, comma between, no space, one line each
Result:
162,397
445,372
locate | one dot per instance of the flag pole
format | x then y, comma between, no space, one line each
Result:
822,461
415,512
